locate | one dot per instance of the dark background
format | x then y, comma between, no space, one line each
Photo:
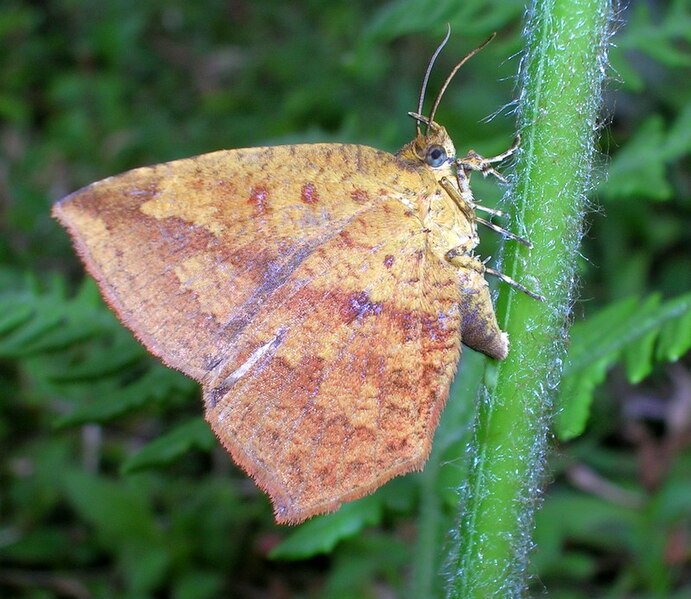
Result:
91,504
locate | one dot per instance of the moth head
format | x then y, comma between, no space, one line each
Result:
433,148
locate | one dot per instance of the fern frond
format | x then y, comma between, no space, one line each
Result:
75,349
193,433
639,333
34,321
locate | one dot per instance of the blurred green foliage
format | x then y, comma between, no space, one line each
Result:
110,484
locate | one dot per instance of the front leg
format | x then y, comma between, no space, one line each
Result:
474,162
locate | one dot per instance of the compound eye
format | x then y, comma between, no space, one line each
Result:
435,156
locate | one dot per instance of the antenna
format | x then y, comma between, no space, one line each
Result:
423,89
465,59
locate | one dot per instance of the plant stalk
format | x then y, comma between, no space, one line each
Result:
561,81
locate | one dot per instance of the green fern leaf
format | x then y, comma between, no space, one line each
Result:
157,385
191,434
639,333
35,322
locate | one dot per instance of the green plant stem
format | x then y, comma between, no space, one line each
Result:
561,91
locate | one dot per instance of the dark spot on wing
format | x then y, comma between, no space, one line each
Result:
309,193
358,305
359,196
259,198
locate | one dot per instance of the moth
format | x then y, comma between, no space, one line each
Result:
318,293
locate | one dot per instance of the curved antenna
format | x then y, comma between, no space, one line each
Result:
423,89
465,59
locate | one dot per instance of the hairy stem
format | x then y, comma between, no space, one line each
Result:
561,88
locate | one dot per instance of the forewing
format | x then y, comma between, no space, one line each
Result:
187,251
296,283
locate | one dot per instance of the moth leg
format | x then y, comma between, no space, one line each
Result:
461,257
504,232
463,198
465,202
513,283
492,211
474,162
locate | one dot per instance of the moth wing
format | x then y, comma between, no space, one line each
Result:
186,251
339,382
297,285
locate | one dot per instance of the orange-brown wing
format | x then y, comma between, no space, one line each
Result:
296,285
338,384
186,251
